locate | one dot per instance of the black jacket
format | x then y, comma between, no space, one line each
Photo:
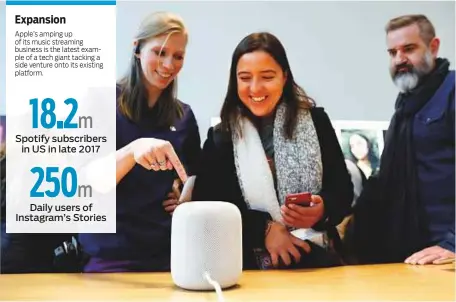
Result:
218,180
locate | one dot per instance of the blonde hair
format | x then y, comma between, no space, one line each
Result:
133,90
160,23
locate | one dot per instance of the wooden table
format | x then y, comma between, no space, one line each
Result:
371,282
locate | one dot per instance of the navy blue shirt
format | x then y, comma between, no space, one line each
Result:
433,137
142,240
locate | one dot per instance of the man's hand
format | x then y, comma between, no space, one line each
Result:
430,255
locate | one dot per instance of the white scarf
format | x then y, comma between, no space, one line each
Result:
297,162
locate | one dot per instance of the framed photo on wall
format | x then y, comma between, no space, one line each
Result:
362,143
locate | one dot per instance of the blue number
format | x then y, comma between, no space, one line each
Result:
34,192
47,112
74,182
54,179
34,103
48,107
58,184
68,123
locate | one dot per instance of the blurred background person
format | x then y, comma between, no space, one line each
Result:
362,150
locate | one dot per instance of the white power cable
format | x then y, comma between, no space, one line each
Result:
217,286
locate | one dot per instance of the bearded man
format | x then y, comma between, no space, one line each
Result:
406,211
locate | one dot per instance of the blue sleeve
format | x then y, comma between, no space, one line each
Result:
452,101
448,243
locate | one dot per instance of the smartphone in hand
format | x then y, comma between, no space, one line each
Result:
303,199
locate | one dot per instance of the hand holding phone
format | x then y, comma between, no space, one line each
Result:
308,211
303,199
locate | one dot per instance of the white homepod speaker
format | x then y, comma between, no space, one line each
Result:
206,245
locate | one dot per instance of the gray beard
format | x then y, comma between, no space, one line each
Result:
408,81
